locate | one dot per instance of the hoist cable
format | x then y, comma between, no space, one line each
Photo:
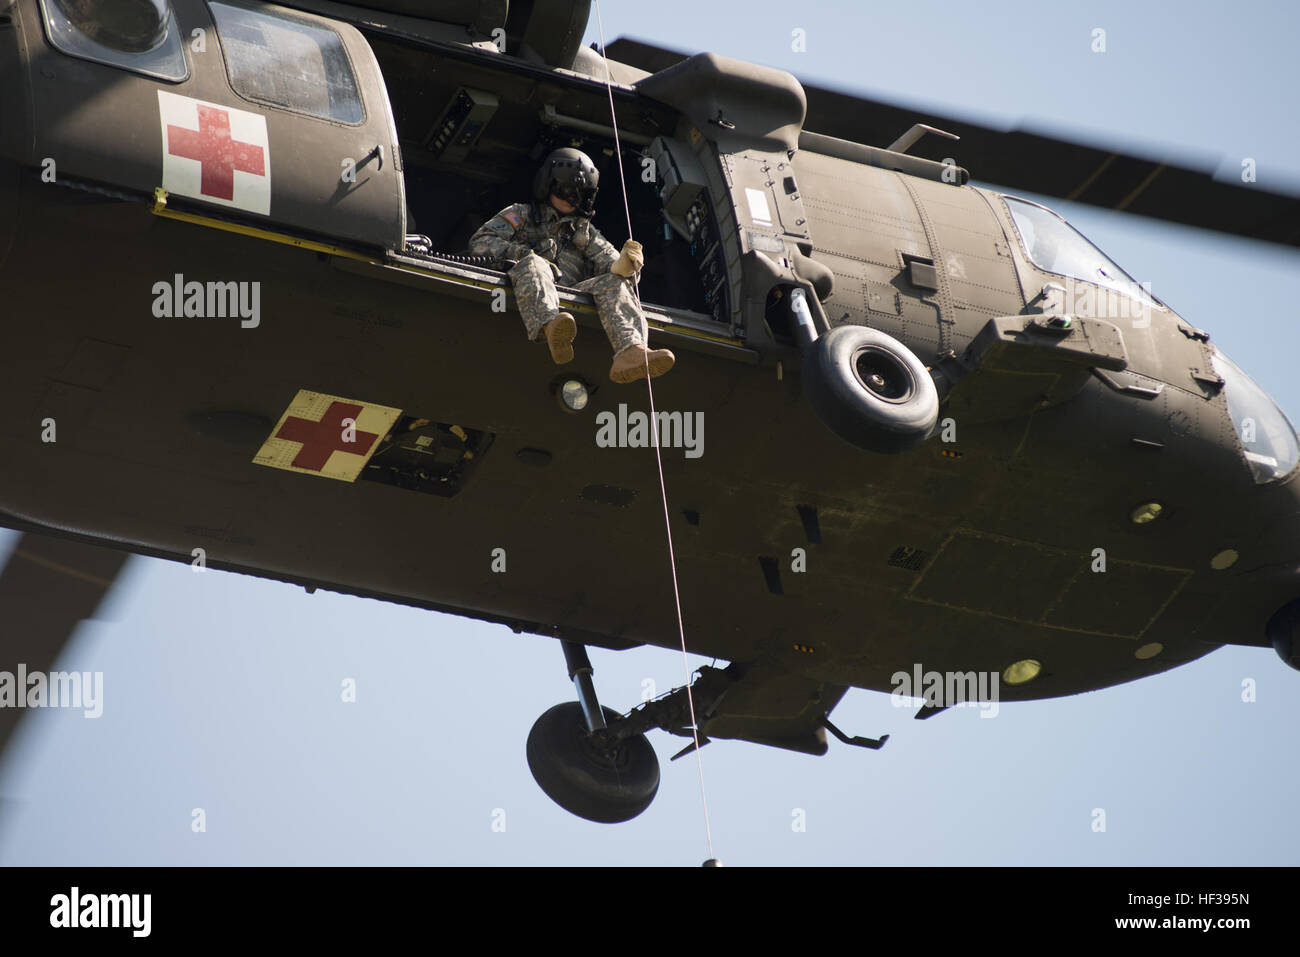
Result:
654,428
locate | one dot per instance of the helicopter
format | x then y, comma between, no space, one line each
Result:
944,393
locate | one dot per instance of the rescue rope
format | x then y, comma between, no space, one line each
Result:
663,489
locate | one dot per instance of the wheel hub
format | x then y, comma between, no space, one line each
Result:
883,376
599,750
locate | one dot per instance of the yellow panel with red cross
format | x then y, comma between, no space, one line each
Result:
326,435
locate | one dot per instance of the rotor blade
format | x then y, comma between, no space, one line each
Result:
1023,160
46,589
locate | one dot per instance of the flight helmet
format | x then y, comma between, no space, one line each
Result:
571,175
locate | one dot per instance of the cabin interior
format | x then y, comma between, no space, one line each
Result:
473,134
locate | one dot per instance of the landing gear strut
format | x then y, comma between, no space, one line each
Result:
866,387
582,766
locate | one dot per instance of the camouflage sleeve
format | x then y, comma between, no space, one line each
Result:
600,253
496,237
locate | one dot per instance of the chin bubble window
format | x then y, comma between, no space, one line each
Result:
137,35
1266,435
288,61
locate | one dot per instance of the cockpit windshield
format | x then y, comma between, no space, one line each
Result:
1266,436
1056,246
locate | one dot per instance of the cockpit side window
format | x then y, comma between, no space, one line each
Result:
1055,246
145,39
289,62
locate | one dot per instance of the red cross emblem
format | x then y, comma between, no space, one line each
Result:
321,439
313,428
216,151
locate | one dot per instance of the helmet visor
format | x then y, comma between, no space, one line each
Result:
573,189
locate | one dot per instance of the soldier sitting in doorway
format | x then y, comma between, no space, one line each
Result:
553,239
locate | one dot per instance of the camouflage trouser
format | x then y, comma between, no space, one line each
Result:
538,301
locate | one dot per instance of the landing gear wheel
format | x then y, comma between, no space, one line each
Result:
577,776
870,389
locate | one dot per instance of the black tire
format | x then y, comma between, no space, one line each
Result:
581,780
1282,630
870,389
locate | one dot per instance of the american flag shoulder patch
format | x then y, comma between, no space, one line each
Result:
511,217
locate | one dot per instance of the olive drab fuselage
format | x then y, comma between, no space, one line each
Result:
818,564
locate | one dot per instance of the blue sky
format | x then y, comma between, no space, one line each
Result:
222,692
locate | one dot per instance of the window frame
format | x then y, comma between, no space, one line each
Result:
293,16
1244,451
117,59
1029,256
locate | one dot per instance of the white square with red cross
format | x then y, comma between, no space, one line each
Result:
326,435
215,153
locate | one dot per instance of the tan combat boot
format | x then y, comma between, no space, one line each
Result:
560,332
630,364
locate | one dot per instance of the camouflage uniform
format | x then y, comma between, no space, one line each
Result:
545,241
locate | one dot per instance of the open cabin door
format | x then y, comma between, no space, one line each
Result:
739,131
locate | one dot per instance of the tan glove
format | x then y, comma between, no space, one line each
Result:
630,259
